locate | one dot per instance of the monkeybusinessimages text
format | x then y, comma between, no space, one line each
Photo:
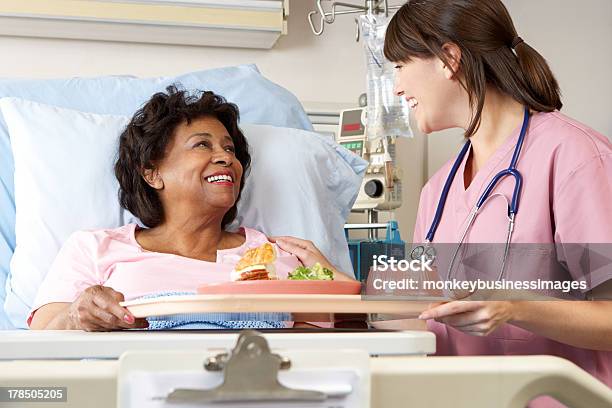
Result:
417,269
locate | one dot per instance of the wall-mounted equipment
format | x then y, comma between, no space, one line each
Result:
222,23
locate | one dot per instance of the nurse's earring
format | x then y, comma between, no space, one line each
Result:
153,178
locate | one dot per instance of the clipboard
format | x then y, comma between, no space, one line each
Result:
248,375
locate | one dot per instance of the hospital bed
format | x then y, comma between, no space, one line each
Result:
399,376
381,368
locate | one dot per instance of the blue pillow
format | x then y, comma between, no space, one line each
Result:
260,102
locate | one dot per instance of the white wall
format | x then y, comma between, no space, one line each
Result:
573,36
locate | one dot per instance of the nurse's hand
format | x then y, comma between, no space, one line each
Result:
97,309
307,253
478,318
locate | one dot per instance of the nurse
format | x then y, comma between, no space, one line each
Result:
461,64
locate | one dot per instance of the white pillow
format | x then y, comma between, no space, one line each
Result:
300,184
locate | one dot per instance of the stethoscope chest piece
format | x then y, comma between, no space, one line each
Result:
426,252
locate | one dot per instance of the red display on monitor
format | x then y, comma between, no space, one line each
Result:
351,127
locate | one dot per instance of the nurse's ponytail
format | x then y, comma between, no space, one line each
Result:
539,78
492,53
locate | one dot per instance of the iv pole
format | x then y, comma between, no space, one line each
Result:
371,7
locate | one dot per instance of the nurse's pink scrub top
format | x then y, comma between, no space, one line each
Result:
113,258
566,198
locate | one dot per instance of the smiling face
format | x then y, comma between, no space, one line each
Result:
431,90
199,170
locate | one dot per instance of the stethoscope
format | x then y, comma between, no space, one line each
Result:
428,252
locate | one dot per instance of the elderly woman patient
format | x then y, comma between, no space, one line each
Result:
181,168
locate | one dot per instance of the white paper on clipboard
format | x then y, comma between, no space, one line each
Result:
342,374
341,386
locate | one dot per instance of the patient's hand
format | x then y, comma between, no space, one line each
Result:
307,253
97,309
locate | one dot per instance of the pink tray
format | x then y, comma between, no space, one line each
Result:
277,287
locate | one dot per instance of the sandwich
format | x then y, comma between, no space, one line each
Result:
256,264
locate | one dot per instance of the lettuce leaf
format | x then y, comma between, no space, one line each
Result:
316,272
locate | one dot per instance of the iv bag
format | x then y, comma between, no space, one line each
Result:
387,114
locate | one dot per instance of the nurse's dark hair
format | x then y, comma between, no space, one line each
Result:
145,139
490,53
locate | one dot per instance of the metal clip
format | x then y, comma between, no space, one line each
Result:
250,375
